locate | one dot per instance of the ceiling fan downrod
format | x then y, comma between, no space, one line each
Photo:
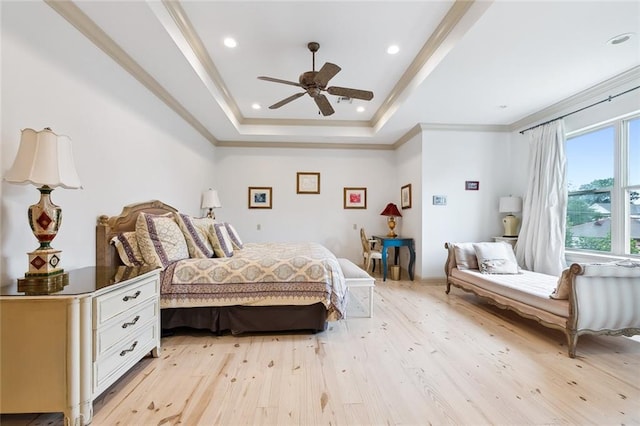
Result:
313,47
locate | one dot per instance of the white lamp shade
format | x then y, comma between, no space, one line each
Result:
210,199
510,204
44,158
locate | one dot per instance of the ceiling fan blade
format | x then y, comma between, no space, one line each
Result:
324,105
277,80
286,100
326,73
350,93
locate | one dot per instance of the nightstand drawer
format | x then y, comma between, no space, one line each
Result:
126,323
123,355
110,305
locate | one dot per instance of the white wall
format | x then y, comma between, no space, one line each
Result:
306,217
128,146
451,157
409,170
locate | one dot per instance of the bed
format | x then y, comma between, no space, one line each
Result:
263,287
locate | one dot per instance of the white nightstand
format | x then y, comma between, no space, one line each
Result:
62,350
511,240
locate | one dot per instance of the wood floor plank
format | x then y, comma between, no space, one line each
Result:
424,358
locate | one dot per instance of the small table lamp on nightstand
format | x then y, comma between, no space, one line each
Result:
44,159
210,201
510,205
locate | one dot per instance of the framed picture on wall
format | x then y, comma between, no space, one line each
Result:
259,197
405,196
472,185
355,198
308,183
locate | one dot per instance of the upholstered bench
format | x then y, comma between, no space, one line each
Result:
356,277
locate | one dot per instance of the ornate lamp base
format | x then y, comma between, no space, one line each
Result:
391,223
37,285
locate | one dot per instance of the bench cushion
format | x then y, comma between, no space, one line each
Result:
528,287
352,271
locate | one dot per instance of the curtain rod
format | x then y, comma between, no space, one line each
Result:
581,109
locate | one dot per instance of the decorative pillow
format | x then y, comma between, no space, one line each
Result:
195,234
465,256
233,234
220,240
564,286
126,244
496,258
160,239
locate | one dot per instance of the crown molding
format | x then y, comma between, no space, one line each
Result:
76,17
462,15
466,127
600,89
306,145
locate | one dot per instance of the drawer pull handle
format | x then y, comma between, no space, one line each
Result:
135,320
135,295
124,352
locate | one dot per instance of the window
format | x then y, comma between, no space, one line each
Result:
603,177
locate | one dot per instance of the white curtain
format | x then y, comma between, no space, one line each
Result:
540,245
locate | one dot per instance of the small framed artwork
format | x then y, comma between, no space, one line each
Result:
308,183
355,198
439,200
472,185
259,197
405,196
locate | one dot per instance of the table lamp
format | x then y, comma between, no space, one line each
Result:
44,159
510,205
391,211
210,201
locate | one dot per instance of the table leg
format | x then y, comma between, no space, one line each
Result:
412,259
384,262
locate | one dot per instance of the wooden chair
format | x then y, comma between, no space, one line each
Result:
368,252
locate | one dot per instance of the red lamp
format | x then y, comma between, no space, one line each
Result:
391,211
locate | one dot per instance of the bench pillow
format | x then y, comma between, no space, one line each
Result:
465,256
564,286
496,258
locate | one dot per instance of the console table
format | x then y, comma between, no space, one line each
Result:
62,350
396,243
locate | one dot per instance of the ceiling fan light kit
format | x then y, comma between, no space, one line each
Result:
315,82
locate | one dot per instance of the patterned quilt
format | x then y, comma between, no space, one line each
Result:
260,274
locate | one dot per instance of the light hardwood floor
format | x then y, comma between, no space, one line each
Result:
424,358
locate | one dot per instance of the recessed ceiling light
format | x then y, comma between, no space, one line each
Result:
360,109
619,39
230,42
256,106
393,49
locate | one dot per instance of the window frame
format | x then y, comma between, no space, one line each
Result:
621,190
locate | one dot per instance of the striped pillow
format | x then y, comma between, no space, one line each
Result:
233,234
195,234
126,245
220,240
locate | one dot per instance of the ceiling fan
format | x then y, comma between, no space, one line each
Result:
315,82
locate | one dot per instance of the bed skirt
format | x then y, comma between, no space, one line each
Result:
247,319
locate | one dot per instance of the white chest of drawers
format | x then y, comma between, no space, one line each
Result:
59,352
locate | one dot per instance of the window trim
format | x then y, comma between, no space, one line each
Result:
620,229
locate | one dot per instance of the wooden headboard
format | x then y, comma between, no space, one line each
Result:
107,227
